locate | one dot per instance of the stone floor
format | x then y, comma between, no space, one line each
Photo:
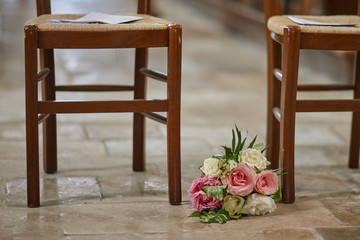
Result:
95,194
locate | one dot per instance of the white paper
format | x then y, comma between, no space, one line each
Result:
315,23
95,17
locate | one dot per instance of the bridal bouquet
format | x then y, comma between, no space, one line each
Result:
235,184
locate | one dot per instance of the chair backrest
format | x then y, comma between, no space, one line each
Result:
44,7
273,7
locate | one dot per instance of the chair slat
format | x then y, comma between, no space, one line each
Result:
108,39
341,105
103,106
43,117
156,117
94,88
322,87
154,74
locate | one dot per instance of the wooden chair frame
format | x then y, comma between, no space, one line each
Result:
45,110
283,52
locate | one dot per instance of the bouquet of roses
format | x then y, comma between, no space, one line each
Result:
235,184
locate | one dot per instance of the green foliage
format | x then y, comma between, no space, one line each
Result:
279,171
232,153
195,214
228,152
238,144
218,192
236,216
257,170
277,195
252,142
212,216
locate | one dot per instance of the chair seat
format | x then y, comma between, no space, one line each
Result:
147,23
277,24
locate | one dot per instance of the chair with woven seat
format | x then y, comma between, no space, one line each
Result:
284,41
43,36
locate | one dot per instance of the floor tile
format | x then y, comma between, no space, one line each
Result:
320,182
26,223
345,207
53,191
340,233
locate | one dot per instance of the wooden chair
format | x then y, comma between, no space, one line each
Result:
284,41
149,32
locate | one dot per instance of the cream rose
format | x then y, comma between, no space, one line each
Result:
233,204
253,158
211,168
257,204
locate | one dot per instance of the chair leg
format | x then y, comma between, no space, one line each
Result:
141,55
274,89
32,143
49,125
173,122
355,129
291,51
355,141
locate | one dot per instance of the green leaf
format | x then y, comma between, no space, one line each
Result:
217,192
220,218
195,214
233,141
238,146
236,216
277,195
252,142
257,170
242,144
212,216
279,171
228,152
263,150
238,133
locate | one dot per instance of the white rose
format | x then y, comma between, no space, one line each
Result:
233,204
211,168
253,158
257,204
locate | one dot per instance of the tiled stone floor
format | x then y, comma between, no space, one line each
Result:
95,194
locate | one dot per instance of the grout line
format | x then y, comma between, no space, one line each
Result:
316,234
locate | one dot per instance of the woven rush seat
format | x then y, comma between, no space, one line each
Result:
277,24
147,23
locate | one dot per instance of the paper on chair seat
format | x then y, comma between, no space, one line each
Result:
316,23
95,17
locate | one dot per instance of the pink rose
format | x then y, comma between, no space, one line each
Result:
267,182
241,180
201,182
198,199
